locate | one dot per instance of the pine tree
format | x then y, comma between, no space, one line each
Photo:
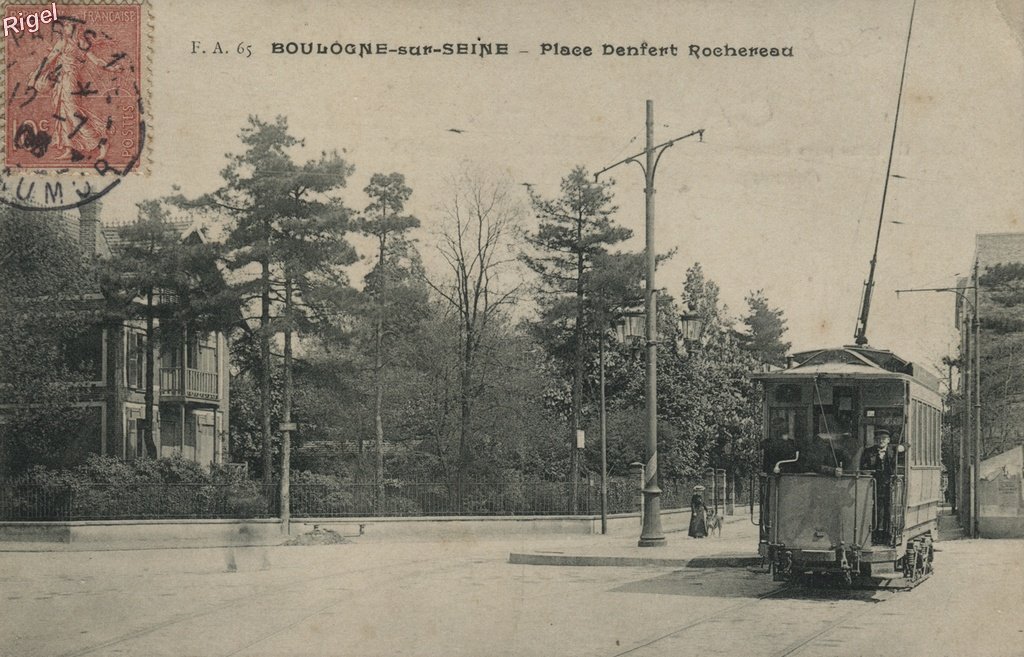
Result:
576,229
288,225
765,328
383,220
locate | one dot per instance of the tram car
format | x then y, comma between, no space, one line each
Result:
851,468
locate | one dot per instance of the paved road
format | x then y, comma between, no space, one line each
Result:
465,599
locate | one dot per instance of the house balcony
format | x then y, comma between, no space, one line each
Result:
198,385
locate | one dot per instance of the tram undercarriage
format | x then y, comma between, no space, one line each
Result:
873,567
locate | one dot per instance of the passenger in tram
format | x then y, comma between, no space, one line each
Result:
830,448
782,445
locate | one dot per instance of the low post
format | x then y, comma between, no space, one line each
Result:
709,484
730,493
637,470
719,491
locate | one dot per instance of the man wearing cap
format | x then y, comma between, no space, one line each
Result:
881,461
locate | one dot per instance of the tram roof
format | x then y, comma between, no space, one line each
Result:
850,361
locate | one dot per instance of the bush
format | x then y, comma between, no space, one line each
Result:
319,494
105,487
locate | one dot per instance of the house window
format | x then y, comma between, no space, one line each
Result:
136,360
83,353
170,432
190,432
192,353
208,353
170,356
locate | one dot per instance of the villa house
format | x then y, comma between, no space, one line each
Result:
190,396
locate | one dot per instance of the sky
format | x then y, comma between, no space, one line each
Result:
783,194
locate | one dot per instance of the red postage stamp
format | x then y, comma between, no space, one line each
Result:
73,86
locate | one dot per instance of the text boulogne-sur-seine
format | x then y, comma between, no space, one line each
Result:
480,48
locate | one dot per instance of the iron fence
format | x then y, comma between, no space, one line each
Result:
83,501
27,501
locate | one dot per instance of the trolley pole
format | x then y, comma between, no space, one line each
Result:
652,534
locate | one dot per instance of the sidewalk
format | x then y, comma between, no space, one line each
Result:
737,547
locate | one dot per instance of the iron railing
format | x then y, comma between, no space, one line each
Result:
27,501
82,501
198,383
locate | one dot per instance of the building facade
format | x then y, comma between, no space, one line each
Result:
994,354
190,378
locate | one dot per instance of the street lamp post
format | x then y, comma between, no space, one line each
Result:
975,470
975,526
652,534
604,440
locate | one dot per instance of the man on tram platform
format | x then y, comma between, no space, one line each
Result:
880,460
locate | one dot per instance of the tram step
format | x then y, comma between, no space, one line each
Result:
884,571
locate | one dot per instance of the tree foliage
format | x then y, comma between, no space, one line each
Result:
287,223
578,296
478,241
46,313
765,327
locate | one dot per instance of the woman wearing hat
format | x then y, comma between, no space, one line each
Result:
698,513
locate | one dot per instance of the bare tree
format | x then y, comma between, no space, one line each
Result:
479,241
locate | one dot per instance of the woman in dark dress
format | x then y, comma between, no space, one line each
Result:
698,512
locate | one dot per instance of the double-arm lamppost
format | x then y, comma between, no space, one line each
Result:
630,326
972,514
652,534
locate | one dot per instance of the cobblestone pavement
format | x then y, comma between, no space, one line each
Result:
464,598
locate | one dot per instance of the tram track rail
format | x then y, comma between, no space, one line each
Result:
415,566
739,614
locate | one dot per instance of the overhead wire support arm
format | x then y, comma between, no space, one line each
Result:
660,148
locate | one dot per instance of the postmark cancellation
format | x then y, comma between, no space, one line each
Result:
74,95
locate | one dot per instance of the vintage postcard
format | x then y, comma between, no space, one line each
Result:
458,327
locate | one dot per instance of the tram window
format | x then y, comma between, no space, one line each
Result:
930,431
926,436
931,436
890,419
788,424
787,434
915,436
836,440
921,437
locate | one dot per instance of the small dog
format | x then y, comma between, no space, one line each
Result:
713,522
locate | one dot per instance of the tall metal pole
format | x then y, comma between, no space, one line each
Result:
961,467
976,532
967,501
652,534
967,510
604,441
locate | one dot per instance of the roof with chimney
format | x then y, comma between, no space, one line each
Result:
104,238
112,231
